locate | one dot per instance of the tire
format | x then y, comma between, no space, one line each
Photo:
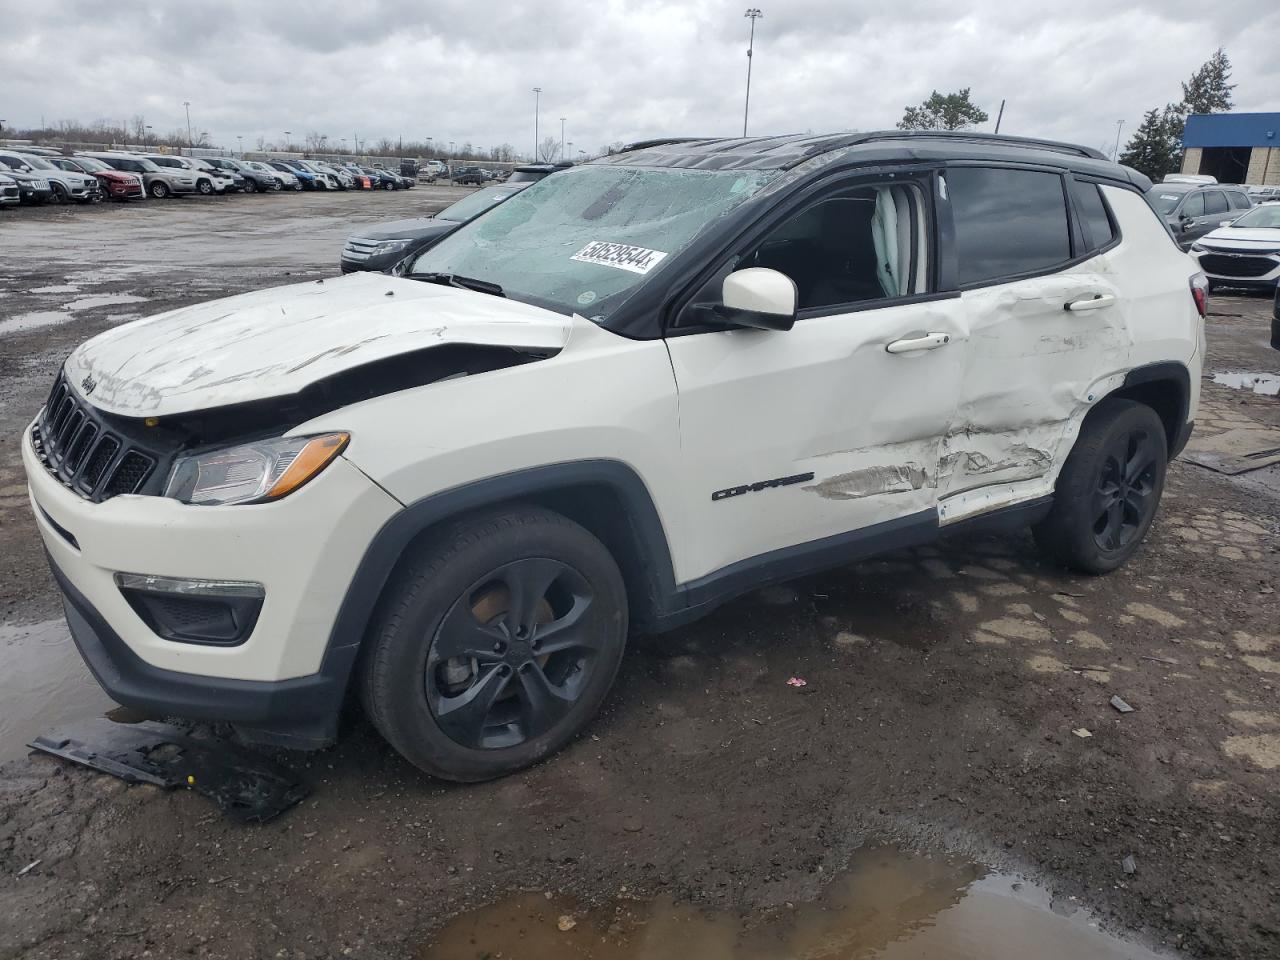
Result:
250,186
496,704
60,194
1100,514
158,189
204,187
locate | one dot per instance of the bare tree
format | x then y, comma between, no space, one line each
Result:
549,150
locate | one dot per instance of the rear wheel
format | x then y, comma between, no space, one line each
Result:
496,644
1109,489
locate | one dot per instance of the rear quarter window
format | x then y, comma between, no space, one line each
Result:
1095,219
1008,223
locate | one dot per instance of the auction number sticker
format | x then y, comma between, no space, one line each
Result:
620,255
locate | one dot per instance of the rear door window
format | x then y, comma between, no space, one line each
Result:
1215,201
1008,223
1092,210
1194,207
1238,200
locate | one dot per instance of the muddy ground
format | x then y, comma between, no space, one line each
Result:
943,688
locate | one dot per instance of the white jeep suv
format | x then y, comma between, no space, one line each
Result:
629,394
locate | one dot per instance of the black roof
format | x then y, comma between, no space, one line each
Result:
785,152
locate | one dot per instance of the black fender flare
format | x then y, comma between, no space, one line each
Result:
389,544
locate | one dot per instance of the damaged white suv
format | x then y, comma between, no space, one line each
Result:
634,391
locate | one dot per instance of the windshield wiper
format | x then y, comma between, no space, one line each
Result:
464,283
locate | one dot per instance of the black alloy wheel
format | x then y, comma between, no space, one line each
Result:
1125,496
513,655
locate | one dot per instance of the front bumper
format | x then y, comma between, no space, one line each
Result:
304,550
1239,267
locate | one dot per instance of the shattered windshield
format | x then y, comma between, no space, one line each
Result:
584,240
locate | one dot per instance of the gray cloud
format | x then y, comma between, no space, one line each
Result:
617,70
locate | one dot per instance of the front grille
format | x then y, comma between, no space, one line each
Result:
1239,266
359,249
79,447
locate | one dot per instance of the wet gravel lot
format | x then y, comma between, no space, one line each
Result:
944,686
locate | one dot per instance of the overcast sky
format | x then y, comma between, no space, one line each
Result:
464,70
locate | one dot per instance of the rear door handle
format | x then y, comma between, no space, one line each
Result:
1095,302
929,341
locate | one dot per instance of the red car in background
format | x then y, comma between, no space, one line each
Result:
115,184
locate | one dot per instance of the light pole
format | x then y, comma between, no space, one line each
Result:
569,155
344,144
562,138
150,136
287,134
752,14
1115,154
537,100
190,142
240,140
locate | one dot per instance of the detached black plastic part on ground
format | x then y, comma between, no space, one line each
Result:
246,786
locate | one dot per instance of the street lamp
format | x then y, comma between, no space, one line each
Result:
753,14
537,100
1116,152
190,142
286,140
562,138
240,140
149,134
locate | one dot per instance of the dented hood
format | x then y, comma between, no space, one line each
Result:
275,342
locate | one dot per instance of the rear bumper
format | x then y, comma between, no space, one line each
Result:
301,713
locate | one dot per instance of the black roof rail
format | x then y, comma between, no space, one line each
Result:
1057,146
661,141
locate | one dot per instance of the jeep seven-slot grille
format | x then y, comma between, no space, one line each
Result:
79,447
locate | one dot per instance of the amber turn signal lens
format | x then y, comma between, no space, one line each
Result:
314,457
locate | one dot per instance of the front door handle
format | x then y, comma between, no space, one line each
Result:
1095,302
928,341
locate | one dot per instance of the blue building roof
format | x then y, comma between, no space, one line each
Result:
1232,130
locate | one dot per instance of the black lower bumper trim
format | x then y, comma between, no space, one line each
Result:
301,713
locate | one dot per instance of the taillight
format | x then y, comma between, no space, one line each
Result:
1200,293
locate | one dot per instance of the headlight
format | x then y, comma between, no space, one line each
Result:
254,472
390,246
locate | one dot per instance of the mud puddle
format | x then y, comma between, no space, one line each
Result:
43,318
43,683
888,906
1266,384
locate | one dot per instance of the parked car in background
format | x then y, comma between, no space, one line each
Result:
382,179
112,184
1260,194
362,180
1243,253
1192,208
306,178
324,179
9,193
160,182
381,246
469,175
232,179
239,178
255,180
32,187
65,185
288,179
206,184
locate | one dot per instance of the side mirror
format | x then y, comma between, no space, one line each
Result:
759,297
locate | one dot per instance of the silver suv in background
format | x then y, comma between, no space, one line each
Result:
160,182
1192,209
288,179
64,185
207,183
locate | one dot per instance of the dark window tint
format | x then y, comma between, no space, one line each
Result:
1093,215
1194,206
1215,201
1007,222
1238,200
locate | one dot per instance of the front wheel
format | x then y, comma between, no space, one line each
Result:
159,189
250,186
1109,489
496,644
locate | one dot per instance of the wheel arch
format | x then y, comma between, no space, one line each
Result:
606,497
1165,387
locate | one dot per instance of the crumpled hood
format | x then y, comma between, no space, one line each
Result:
1243,238
274,342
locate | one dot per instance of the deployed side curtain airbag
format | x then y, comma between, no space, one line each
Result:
891,234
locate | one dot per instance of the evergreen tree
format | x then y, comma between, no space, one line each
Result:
954,111
1208,91
1153,149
